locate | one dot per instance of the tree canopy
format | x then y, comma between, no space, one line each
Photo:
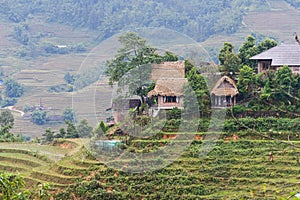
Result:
135,56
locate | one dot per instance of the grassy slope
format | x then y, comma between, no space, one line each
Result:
233,169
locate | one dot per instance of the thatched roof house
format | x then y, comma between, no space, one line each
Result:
168,87
168,70
224,92
169,81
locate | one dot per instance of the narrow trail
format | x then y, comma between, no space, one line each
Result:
11,108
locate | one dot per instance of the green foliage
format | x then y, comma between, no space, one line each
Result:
101,129
134,53
48,135
266,44
39,117
8,102
246,82
21,33
6,118
7,123
262,124
249,49
229,60
12,188
10,185
84,130
69,115
200,21
61,88
174,113
188,66
197,85
135,56
71,130
281,89
69,78
13,89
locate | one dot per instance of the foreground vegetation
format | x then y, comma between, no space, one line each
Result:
237,167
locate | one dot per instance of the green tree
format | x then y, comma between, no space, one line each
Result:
39,117
101,129
266,44
229,60
13,89
84,130
48,135
227,48
71,130
247,50
246,82
7,123
62,133
6,118
198,85
135,55
285,83
69,115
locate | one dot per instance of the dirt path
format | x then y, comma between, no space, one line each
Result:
11,108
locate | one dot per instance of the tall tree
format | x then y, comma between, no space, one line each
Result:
285,83
135,56
247,50
198,85
7,123
229,60
265,45
84,130
246,82
13,88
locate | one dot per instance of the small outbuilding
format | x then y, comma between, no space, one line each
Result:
224,93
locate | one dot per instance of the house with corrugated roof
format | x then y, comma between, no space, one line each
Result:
276,57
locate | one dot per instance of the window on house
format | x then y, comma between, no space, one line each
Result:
296,69
266,66
170,99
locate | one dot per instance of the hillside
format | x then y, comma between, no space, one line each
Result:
238,167
41,41
38,70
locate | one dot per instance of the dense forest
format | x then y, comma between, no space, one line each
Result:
197,18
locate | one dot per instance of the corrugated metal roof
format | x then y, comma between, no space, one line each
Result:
285,54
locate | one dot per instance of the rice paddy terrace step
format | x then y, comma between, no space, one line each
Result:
51,176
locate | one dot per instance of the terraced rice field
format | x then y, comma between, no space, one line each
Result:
234,169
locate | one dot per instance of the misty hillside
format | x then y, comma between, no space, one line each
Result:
199,19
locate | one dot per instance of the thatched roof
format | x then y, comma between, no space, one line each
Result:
225,86
168,70
168,87
285,54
